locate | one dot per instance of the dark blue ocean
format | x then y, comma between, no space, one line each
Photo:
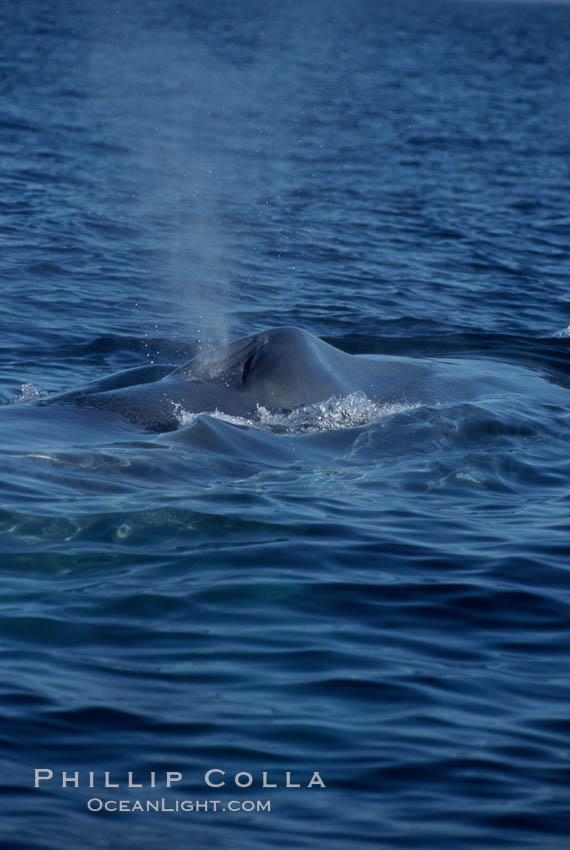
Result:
375,594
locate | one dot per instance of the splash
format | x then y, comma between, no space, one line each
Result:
336,413
28,392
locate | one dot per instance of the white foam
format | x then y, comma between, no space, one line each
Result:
28,392
563,334
338,412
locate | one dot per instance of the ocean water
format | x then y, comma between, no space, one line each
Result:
378,594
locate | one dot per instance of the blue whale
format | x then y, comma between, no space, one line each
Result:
278,370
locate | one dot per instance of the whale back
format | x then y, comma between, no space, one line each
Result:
279,370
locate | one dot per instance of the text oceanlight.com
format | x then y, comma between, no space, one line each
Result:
96,804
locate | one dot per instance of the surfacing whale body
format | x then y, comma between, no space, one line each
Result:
279,370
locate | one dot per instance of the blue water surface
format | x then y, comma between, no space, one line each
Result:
379,595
